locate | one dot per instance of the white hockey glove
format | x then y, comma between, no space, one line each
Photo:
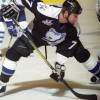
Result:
10,11
59,72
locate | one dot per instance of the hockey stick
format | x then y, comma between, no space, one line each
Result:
46,52
81,96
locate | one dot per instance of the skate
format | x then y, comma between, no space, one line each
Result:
95,80
98,58
2,88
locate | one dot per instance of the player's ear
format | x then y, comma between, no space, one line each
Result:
65,13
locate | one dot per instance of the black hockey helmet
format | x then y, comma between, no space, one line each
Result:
72,6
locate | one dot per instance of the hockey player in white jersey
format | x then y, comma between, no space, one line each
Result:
94,79
98,9
52,26
8,24
98,16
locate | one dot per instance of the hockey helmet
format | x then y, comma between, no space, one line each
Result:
72,6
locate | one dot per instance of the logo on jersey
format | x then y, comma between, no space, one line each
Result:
42,6
47,22
53,37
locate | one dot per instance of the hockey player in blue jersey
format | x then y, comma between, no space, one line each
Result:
8,24
52,26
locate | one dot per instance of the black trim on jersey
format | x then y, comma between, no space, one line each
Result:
26,5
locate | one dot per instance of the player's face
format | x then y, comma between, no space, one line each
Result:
73,18
64,17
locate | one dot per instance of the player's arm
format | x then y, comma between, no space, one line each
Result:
22,21
22,18
12,10
39,8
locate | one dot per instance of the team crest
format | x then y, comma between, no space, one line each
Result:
47,22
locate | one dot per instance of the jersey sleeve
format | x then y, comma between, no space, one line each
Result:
19,2
31,5
71,32
41,9
22,18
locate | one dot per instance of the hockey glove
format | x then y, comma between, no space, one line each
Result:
59,72
10,11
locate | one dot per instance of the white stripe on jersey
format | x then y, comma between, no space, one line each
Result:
19,2
2,34
2,26
29,3
90,63
9,64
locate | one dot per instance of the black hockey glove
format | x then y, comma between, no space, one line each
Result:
59,72
10,11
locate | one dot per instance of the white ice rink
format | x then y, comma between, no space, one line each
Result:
31,80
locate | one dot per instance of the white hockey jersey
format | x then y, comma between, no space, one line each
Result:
8,24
